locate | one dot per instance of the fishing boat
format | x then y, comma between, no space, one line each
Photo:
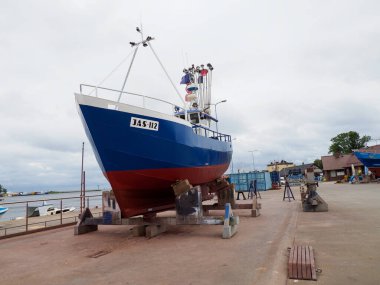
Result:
143,148
3,210
370,157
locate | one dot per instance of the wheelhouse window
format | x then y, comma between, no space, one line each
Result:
181,116
194,118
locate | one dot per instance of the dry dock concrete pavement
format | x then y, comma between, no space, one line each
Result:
346,240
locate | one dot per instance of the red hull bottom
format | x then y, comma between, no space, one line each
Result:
145,191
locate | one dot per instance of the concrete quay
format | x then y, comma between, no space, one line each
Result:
18,226
346,241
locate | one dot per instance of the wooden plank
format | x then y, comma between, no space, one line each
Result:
304,264
236,206
312,263
181,187
299,262
294,264
290,262
308,264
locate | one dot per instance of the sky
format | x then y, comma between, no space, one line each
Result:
294,74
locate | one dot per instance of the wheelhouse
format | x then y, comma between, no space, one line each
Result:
201,124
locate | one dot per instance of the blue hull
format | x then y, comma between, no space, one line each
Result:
3,210
140,163
121,147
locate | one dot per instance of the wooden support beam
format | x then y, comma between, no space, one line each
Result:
81,227
312,265
139,231
255,207
154,230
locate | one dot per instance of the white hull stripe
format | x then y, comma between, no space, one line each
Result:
109,104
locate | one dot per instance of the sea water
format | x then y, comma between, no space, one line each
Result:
18,210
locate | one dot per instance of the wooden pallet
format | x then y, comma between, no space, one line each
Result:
301,263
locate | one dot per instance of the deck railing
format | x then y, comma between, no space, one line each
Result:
212,134
174,109
113,94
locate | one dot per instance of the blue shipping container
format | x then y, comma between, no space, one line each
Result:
275,176
243,180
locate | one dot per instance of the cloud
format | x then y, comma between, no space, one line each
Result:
294,76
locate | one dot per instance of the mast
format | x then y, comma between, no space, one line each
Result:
146,43
129,70
198,87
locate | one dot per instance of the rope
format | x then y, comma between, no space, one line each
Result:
112,72
167,75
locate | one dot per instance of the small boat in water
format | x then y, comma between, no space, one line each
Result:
47,209
3,210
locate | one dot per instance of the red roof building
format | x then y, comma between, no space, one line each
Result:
335,167
374,149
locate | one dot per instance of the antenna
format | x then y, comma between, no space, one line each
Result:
140,30
136,46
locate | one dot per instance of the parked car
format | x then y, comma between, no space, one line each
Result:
282,180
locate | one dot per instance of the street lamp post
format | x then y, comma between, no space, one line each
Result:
253,158
216,115
232,159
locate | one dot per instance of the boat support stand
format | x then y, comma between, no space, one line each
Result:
153,226
189,211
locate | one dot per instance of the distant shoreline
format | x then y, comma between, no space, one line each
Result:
15,194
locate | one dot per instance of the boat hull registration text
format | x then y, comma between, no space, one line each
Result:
144,124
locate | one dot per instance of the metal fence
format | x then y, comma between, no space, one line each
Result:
27,224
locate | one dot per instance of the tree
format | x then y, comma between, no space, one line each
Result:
318,163
344,143
2,189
